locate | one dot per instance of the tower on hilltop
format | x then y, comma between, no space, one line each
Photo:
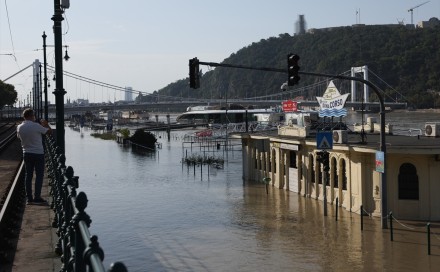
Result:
128,94
300,25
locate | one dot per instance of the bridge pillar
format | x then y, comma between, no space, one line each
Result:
364,71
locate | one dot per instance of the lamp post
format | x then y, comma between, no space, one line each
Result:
46,106
40,92
59,90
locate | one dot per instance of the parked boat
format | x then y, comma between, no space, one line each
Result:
223,121
199,115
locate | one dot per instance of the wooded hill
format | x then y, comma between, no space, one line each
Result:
406,62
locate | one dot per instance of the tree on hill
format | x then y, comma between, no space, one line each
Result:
406,60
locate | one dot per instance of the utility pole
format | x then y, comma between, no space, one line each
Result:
46,107
59,90
40,92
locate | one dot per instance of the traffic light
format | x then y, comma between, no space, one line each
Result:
292,69
194,79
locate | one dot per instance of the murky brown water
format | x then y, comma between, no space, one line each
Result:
155,215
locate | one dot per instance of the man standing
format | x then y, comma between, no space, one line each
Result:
30,134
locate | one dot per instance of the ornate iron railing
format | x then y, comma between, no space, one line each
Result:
79,250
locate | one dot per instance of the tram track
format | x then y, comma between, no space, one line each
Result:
12,192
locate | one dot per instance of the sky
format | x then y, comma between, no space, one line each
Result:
146,44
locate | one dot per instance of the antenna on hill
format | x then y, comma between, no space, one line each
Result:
358,16
413,8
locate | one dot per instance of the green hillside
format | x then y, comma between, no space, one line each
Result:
404,63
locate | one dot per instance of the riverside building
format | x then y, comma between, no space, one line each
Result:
289,158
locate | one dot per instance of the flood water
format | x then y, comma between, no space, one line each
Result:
154,214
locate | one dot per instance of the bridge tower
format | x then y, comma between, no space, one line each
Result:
364,71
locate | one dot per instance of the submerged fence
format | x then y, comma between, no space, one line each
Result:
79,250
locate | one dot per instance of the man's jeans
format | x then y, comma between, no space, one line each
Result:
34,161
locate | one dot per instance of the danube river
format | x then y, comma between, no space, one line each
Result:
154,214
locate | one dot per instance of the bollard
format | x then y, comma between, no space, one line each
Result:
428,230
391,226
266,181
337,209
362,218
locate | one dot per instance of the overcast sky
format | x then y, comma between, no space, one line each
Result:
147,44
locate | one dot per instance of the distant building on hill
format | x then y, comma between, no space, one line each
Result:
300,25
433,22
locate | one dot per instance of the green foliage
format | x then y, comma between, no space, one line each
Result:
104,136
407,59
125,132
8,95
142,138
199,159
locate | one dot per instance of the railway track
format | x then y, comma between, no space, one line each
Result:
12,193
7,135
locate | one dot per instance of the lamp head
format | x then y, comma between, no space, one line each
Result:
66,56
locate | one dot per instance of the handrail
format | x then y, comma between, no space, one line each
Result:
79,249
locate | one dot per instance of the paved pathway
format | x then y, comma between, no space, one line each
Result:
37,240
36,245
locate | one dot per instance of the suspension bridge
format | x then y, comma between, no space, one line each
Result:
87,88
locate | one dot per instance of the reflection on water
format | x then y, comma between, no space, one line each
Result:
154,214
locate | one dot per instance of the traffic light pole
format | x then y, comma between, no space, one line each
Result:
384,206
383,148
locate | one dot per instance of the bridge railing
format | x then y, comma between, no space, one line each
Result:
79,250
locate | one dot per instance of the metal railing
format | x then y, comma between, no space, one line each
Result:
79,250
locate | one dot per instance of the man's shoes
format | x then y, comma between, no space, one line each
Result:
29,201
39,201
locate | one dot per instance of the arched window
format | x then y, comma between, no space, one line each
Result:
344,175
408,182
334,167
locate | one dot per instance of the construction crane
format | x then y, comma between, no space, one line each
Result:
413,8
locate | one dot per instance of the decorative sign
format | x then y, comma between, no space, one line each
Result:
290,106
289,147
324,140
332,102
380,162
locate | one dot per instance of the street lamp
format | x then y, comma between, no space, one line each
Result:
59,90
46,83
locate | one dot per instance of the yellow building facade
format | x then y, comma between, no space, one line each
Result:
412,169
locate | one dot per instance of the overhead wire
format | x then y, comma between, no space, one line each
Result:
10,35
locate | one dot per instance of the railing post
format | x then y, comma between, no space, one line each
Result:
117,267
391,226
80,204
428,230
362,218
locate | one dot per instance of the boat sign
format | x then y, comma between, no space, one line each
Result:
324,140
332,102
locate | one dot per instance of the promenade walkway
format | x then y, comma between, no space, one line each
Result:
36,243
